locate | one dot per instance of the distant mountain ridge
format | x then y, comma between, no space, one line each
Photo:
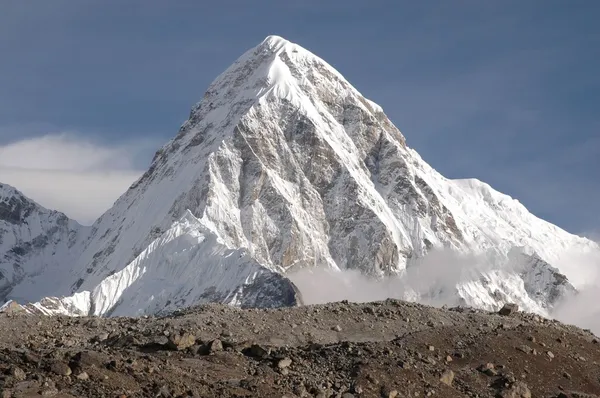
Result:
282,166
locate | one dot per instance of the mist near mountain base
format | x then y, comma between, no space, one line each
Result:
433,280
583,308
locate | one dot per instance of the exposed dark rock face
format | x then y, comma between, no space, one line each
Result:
16,208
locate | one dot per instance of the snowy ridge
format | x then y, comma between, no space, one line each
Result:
185,266
33,241
284,165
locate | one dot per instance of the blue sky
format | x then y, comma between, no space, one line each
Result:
507,92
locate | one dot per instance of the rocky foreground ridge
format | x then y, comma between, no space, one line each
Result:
381,349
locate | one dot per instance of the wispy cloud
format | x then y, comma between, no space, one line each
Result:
69,173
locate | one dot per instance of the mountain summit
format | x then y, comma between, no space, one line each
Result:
284,166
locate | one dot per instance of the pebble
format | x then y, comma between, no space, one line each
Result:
447,377
284,363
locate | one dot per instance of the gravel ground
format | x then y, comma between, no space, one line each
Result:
381,349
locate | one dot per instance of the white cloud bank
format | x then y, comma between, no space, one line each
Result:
434,280
69,173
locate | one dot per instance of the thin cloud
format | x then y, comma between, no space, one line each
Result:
69,173
65,152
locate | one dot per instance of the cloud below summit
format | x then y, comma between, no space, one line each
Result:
69,173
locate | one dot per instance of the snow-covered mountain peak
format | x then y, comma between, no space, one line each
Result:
275,42
282,166
276,68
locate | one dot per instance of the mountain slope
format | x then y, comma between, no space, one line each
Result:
284,159
33,241
186,265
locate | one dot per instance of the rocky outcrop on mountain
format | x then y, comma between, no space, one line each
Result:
284,161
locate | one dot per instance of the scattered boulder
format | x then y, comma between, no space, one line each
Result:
517,390
101,337
525,348
284,363
18,373
508,309
488,369
215,346
257,351
60,368
180,341
447,377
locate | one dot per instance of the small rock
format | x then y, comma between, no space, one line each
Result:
517,390
181,341
448,358
337,328
550,354
447,377
61,369
300,390
567,375
525,348
83,376
431,348
488,369
392,394
102,337
508,309
284,363
215,345
256,350
18,373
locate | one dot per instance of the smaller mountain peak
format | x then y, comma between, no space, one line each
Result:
8,191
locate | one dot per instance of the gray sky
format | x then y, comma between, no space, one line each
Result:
507,92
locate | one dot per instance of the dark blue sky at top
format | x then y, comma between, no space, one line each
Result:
505,91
